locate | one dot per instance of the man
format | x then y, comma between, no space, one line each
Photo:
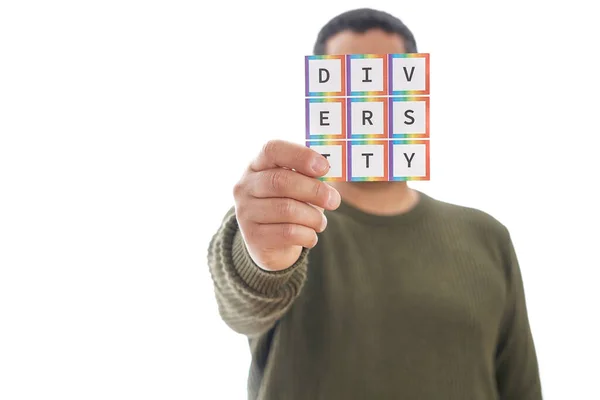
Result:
403,297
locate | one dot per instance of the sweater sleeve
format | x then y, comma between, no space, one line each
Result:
250,300
517,372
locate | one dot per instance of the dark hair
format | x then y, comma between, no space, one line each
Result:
360,21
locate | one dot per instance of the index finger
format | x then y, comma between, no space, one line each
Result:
282,154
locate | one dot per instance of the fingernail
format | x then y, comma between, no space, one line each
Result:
323,223
320,165
334,198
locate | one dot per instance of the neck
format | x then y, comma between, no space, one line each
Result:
378,198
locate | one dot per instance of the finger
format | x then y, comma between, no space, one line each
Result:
282,210
281,182
278,153
321,209
281,235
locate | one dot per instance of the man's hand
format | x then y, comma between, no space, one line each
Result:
277,201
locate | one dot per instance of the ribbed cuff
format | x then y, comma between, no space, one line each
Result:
264,282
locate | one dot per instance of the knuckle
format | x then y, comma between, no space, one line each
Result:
278,180
288,231
285,208
271,147
320,191
302,157
255,234
238,189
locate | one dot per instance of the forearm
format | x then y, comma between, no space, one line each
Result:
250,300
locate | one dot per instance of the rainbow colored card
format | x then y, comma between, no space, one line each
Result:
369,115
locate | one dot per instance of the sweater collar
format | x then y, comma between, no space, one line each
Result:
409,216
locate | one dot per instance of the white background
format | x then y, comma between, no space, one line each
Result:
124,125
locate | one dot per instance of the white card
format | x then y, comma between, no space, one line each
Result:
325,118
367,117
325,75
409,117
368,160
409,74
409,160
366,74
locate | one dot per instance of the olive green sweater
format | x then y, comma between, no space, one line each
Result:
427,305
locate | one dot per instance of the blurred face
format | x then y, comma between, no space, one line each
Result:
374,41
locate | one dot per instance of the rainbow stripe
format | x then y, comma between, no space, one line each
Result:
391,74
342,59
339,136
326,142
391,118
350,57
409,178
385,176
366,55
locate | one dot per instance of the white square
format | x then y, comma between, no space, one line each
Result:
368,160
325,118
409,160
367,117
409,74
366,74
409,117
333,153
325,75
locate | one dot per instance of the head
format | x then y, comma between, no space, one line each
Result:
365,31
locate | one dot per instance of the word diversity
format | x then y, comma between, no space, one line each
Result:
368,114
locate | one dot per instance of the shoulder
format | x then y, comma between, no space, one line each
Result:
467,220
473,230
